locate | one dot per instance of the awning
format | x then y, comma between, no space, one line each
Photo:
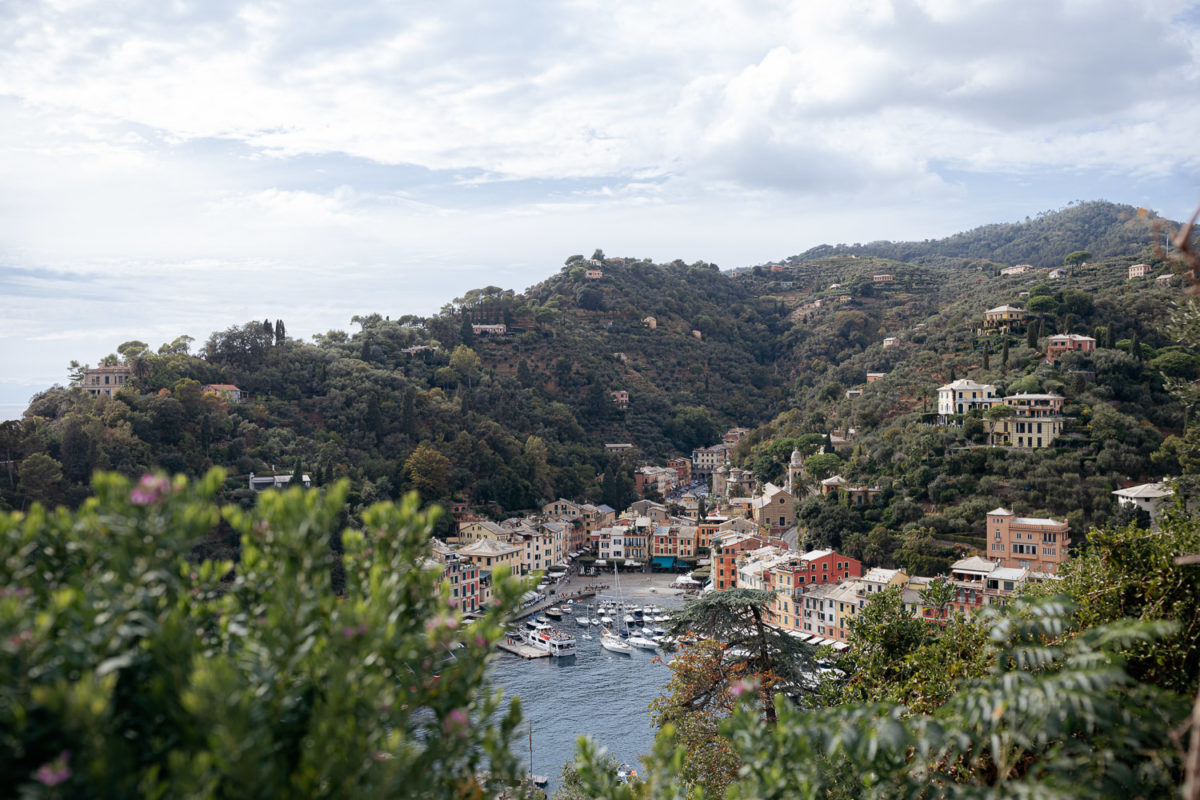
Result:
664,562
600,562
798,635
840,646
824,642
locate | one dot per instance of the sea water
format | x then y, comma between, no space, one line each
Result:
597,693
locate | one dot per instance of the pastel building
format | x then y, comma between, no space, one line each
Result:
1067,343
963,396
1034,543
105,380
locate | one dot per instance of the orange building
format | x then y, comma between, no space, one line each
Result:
1034,543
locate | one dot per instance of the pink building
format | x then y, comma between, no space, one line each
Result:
1068,343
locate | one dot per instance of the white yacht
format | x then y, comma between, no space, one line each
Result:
613,642
642,642
544,637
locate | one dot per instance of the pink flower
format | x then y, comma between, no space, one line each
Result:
150,489
742,687
456,722
56,771
481,641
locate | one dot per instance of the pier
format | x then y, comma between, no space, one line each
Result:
557,599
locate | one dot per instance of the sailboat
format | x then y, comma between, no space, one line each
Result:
583,620
610,640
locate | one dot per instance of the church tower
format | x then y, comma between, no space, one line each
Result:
795,474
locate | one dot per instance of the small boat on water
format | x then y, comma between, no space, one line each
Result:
642,643
554,612
614,643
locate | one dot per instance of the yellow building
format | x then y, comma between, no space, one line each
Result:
1003,318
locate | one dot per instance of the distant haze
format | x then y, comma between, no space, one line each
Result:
180,168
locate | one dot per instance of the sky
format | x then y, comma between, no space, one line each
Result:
175,167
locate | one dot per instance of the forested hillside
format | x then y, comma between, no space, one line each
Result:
1100,229
505,421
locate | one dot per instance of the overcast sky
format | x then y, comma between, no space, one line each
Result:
171,167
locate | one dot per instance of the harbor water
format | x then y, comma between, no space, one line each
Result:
597,693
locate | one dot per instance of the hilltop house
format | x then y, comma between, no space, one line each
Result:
857,495
620,399
1149,497
1017,270
260,483
226,391
1140,270
105,380
1036,421
891,341
1067,343
883,277
962,396
498,329
1003,318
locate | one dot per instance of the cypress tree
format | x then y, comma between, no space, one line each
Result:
1135,346
1031,336
1004,356
987,354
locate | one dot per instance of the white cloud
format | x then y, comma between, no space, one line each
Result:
189,154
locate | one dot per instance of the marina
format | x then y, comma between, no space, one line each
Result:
596,692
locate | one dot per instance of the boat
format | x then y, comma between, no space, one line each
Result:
642,642
615,641
544,637
554,612
606,619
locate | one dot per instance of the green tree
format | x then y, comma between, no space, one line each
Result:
822,465
993,416
38,478
465,362
148,673
1031,726
1077,257
737,651
429,472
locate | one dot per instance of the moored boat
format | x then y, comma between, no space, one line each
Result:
546,638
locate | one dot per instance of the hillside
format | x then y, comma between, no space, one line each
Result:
1102,229
505,421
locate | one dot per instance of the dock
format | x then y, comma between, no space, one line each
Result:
521,649
553,600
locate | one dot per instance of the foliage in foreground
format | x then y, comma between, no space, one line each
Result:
1058,716
128,669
